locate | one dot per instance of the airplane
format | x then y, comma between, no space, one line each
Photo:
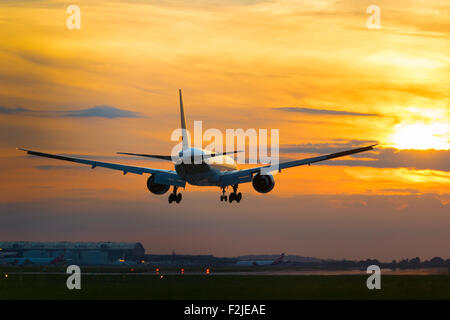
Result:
275,262
214,169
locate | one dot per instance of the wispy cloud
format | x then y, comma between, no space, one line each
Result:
325,147
326,111
49,167
4,110
378,158
104,111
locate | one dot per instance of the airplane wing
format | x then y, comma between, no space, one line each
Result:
169,177
245,175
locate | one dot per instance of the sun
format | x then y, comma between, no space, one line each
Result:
421,136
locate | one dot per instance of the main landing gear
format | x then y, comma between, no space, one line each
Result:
234,196
174,196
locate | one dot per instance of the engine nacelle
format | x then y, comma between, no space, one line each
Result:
155,187
263,183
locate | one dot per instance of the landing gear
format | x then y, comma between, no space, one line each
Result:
223,197
234,196
174,196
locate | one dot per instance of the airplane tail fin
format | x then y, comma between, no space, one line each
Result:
279,259
59,259
185,138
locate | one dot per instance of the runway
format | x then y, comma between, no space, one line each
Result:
434,271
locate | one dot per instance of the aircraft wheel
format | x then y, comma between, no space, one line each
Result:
221,198
239,197
232,197
178,198
225,198
171,198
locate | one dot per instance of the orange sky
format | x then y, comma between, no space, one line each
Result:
311,69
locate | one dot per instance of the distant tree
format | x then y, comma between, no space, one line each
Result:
437,262
394,264
403,264
415,263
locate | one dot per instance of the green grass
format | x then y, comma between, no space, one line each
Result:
45,286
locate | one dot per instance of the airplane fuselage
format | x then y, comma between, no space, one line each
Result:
206,172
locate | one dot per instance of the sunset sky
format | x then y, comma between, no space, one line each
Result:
310,68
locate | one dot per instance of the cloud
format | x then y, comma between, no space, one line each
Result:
49,167
411,159
402,190
325,147
378,158
326,111
103,111
4,110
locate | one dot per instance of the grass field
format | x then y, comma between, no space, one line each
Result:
47,286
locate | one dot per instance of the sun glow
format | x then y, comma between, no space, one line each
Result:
421,136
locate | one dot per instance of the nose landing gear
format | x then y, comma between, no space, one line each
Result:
223,197
174,196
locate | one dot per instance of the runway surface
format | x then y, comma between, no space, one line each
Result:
436,271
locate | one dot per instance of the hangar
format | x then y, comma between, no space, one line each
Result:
82,253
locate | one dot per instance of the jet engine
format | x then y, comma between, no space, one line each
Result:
263,183
155,187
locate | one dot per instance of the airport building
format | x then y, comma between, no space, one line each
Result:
82,253
187,260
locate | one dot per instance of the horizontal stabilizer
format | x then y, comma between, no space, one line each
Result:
221,154
169,158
